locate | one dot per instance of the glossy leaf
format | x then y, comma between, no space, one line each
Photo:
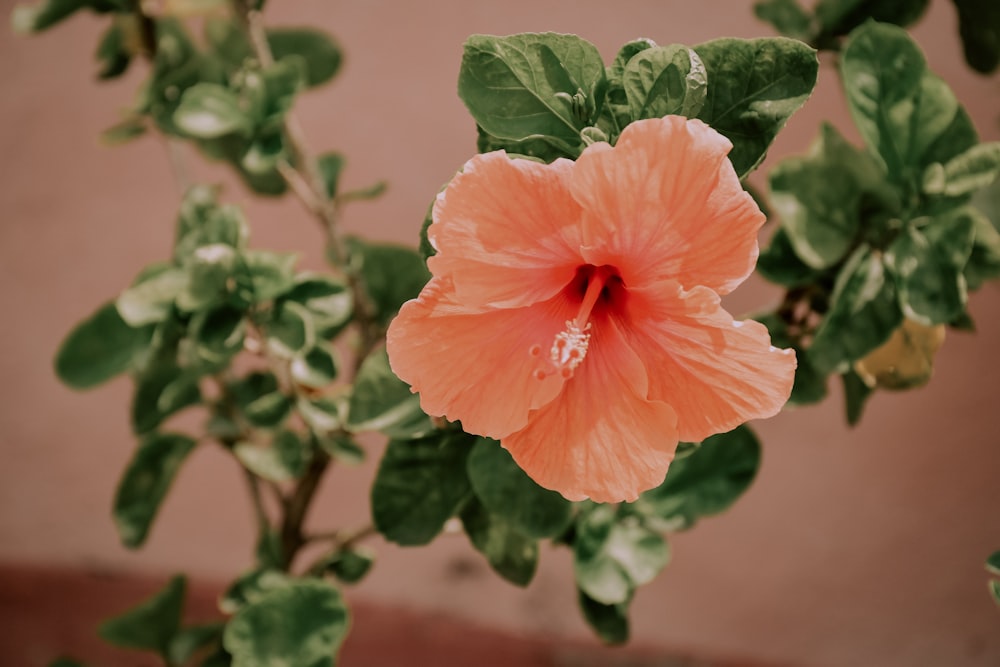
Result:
506,491
153,624
145,484
863,313
301,624
512,554
532,84
99,348
665,80
708,481
383,402
754,86
899,107
420,484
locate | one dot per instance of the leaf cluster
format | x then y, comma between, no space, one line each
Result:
871,238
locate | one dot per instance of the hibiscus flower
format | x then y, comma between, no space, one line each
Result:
574,310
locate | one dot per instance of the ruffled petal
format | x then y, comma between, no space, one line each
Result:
665,202
507,231
475,365
716,373
601,438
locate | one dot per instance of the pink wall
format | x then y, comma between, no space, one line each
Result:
859,546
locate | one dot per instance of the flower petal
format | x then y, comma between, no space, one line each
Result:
600,438
507,231
665,202
716,373
475,365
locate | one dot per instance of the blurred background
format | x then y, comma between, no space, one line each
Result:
859,546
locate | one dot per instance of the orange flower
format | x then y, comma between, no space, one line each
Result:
574,312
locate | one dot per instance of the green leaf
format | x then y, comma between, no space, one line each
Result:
984,260
927,267
787,17
383,402
321,415
839,17
532,84
145,484
863,313
113,53
202,222
150,301
250,587
190,640
810,383
614,553
317,50
265,275
330,165
856,394
779,264
352,565
420,484
153,624
665,80
268,411
392,274
209,274
754,86
993,563
609,621
217,335
159,393
819,208
282,461
994,587
289,329
965,173
979,26
328,301
314,367
208,111
303,623
512,554
708,481
899,107
99,348
507,491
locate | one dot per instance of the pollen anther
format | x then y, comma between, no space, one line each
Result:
570,346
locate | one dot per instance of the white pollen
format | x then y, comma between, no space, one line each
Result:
570,346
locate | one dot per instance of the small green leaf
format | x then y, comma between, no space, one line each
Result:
209,271
839,17
145,484
392,274
329,301
708,481
330,166
665,80
302,623
250,587
927,267
965,173
609,621
984,260
863,313
153,624
99,348
266,275
314,367
289,330
47,13
993,563
317,50
150,301
420,484
283,460
779,263
994,587
754,86
352,565
615,553
268,410
113,52
810,383
512,554
208,110
217,335
856,394
383,402
507,491
787,17
532,85
321,415
160,392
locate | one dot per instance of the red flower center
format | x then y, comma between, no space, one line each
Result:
598,288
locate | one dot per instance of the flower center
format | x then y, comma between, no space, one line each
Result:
569,347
